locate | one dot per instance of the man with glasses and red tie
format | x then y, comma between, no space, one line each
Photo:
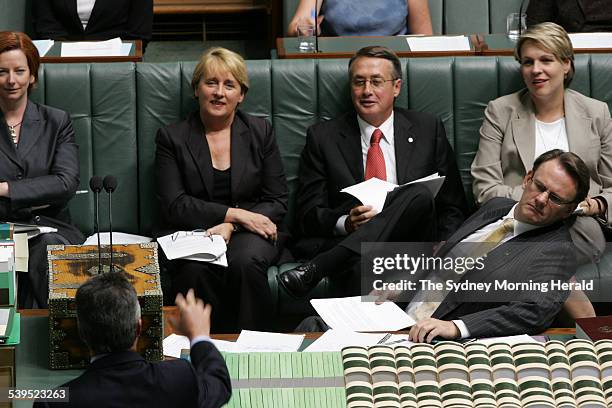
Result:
377,140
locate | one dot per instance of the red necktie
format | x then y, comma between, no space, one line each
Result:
375,162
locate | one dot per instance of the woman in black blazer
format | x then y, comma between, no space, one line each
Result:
220,170
62,20
39,163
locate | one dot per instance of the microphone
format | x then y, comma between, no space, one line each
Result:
95,183
316,24
110,185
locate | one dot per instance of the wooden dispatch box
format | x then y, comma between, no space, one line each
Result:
72,265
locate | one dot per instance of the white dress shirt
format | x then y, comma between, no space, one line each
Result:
84,8
387,145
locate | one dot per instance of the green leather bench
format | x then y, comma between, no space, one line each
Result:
453,16
117,109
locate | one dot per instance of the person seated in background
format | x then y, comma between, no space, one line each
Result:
524,242
575,16
108,318
220,170
364,17
548,115
87,20
39,166
375,140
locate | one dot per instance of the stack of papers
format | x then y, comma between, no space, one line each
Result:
119,238
195,246
336,340
109,48
248,342
353,314
374,191
441,43
591,40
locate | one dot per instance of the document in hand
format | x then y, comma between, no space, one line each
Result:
374,191
360,315
195,246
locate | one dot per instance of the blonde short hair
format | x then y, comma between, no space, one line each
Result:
553,38
219,59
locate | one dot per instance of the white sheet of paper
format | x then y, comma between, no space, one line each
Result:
591,40
126,48
173,344
22,252
109,48
521,338
374,191
256,341
336,340
193,245
439,43
353,314
119,238
371,192
43,46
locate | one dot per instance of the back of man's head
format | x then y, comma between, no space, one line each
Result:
108,313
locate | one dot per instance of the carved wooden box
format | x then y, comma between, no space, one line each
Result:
72,265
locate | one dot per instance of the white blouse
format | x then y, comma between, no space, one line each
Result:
84,8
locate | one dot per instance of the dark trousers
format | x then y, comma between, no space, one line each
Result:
239,294
409,215
33,286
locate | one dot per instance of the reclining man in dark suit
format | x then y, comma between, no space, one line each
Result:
534,247
378,140
108,316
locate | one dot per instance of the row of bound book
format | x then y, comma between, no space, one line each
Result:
553,374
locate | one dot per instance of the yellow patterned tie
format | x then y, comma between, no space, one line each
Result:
427,307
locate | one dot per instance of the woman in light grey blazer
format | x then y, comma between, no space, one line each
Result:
547,115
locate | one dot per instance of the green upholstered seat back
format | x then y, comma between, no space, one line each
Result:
101,99
117,109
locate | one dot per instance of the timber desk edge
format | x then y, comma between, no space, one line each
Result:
171,310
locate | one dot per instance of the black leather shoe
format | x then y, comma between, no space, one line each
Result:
301,280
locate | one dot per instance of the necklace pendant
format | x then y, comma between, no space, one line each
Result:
13,134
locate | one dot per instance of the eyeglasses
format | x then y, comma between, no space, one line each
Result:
552,197
375,83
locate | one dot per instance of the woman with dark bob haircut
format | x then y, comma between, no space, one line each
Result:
220,170
39,169
547,115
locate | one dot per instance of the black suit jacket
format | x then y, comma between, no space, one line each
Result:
184,173
332,160
539,255
125,379
128,19
43,172
573,15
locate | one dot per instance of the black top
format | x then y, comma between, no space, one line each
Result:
222,186
573,15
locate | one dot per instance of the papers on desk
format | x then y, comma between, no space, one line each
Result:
591,40
32,230
336,340
439,43
254,341
353,314
374,191
248,342
43,46
195,246
109,48
119,238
